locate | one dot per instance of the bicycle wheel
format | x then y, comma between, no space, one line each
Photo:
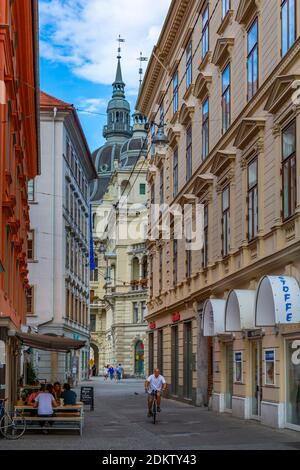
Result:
154,411
12,426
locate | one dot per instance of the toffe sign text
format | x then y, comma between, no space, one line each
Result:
277,301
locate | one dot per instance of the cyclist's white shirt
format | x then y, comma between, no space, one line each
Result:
155,383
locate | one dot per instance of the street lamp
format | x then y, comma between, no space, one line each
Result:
160,139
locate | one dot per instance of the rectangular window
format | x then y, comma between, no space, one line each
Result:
160,269
161,186
93,322
205,32
142,189
175,262
67,203
160,350
135,312
67,303
152,194
205,129
226,99
252,200
30,190
30,300
189,151
151,275
238,367
144,311
175,92
225,7
205,241
289,189
189,64
288,25
153,131
161,114
175,172
151,353
30,245
252,59
188,260
226,220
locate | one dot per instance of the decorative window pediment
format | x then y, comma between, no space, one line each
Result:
222,51
222,161
227,20
246,10
152,171
173,136
186,114
202,86
248,129
282,90
203,184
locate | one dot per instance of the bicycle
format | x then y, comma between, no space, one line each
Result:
12,425
154,405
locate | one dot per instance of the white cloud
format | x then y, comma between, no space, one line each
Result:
82,34
93,105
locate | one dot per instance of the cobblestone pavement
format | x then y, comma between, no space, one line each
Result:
119,422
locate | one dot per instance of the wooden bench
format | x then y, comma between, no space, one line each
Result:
63,420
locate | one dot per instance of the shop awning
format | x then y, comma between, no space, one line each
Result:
213,320
49,343
240,310
277,301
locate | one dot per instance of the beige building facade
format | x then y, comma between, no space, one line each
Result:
224,320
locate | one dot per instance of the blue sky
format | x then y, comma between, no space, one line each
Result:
78,50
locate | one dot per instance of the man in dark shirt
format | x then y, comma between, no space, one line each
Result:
68,395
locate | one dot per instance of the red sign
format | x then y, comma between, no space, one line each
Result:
152,325
175,317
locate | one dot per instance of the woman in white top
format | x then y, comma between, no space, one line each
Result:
45,403
105,373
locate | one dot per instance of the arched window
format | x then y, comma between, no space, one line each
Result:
135,273
117,116
121,116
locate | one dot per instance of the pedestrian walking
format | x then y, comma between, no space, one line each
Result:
111,372
105,372
121,371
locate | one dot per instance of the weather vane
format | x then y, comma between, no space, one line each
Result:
119,48
141,59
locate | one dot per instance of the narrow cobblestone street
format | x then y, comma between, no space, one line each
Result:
119,422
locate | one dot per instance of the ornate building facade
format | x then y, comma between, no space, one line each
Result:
119,198
19,162
225,319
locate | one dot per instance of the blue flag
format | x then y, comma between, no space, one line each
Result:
92,257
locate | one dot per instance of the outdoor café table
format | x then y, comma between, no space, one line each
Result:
63,416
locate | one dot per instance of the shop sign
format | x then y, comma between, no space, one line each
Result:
254,333
278,301
152,325
176,317
270,366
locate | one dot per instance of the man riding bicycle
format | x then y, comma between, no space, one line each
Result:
155,383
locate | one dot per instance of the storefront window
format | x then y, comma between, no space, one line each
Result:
270,367
293,382
238,367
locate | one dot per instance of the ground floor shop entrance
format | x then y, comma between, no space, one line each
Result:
175,365
188,361
256,378
292,367
228,376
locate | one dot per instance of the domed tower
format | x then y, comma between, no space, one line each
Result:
118,111
117,131
136,147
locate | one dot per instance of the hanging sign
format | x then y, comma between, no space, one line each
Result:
176,317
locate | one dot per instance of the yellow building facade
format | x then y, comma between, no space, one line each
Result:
224,79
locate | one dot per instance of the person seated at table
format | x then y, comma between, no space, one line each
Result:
57,391
34,394
45,403
68,395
